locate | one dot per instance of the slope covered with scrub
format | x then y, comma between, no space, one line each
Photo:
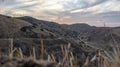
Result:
27,33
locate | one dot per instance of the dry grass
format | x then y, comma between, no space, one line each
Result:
103,60
115,60
68,59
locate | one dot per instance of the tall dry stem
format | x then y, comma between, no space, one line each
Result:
11,48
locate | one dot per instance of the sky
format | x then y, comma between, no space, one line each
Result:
92,12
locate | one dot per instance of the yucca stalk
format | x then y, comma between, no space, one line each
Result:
34,53
49,58
86,64
53,58
18,53
11,48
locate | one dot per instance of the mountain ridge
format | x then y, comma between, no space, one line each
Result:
29,32
90,33
51,29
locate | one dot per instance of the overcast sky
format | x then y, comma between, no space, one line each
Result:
93,12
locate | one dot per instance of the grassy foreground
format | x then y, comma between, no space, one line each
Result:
15,58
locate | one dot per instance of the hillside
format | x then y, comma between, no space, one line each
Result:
28,27
28,32
29,35
78,31
10,26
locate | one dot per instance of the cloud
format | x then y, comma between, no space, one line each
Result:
93,12
82,4
100,8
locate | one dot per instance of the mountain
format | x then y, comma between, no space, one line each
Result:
11,27
80,32
50,26
29,27
28,32
77,31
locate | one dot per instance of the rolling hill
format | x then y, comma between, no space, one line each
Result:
27,33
